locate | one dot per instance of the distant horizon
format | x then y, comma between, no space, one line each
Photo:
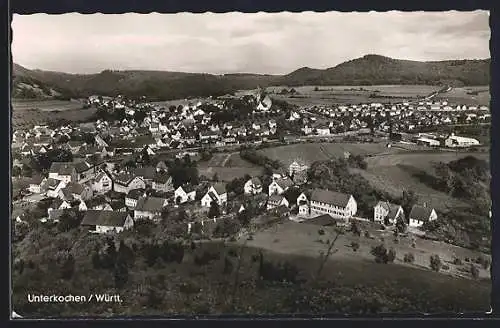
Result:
228,43
240,73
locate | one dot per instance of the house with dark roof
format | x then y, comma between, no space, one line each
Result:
36,184
124,182
253,186
281,211
147,174
98,203
184,193
52,186
64,171
336,204
149,207
279,186
421,214
217,192
84,171
387,213
107,221
133,196
276,201
77,191
162,181
102,183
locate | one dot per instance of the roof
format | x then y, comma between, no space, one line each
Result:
330,197
62,168
98,200
81,167
276,198
101,175
161,177
420,213
75,188
220,188
135,193
124,178
284,183
53,182
282,209
147,172
212,195
104,218
187,188
392,209
37,179
256,181
150,204
161,165
117,204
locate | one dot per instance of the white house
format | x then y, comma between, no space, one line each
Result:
338,205
107,221
102,183
185,193
125,182
149,207
163,182
387,213
297,166
78,191
217,193
53,186
64,171
456,141
421,214
279,186
133,196
428,142
36,184
253,186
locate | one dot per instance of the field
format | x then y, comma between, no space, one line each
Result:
228,166
46,105
327,95
311,152
27,118
460,96
303,239
391,173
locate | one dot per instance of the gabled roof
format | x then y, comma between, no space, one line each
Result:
284,183
135,194
187,188
276,199
101,175
420,213
282,209
36,179
330,197
124,178
147,172
53,183
81,167
150,204
62,168
161,177
74,188
256,182
212,195
104,218
392,209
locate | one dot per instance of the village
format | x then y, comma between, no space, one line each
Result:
115,176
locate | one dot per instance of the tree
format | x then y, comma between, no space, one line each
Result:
400,225
435,262
214,210
68,267
474,271
68,222
409,258
120,273
215,177
380,253
139,116
408,200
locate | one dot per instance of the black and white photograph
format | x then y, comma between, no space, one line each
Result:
204,164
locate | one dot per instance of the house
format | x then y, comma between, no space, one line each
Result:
387,213
253,186
64,171
279,186
338,205
428,142
147,174
133,196
161,166
52,187
107,221
296,167
125,182
162,182
58,204
98,203
102,183
421,214
217,193
79,191
277,200
281,211
456,141
84,171
149,207
184,193
36,184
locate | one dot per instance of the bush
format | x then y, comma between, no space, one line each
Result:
354,246
457,261
321,232
413,245
435,262
467,260
409,258
367,234
380,253
445,267
391,255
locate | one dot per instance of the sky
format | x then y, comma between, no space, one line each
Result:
265,43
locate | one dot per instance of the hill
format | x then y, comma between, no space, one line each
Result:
163,85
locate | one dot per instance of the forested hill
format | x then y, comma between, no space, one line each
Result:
163,85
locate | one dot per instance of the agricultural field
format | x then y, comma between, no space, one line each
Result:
311,152
46,105
303,239
392,173
27,118
467,96
228,166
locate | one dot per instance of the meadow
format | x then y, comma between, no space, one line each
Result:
46,105
27,118
228,166
463,96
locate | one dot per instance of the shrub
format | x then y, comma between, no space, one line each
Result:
457,261
380,253
355,246
409,258
467,260
474,271
413,245
445,267
391,255
321,232
367,234
435,262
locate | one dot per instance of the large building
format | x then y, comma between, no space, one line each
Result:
338,205
456,141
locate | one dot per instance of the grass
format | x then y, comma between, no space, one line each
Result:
228,167
461,96
45,105
26,118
